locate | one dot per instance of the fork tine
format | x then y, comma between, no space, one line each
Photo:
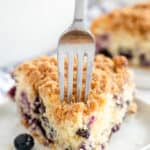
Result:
61,73
90,57
70,74
80,57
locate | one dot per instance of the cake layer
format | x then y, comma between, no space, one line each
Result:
76,125
126,32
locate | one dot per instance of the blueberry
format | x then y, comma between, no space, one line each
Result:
38,107
83,133
24,142
82,147
37,125
12,92
115,128
105,52
143,60
26,117
126,52
69,148
52,131
102,146
119,101
128,102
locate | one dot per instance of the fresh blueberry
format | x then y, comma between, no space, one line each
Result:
83,133
24,142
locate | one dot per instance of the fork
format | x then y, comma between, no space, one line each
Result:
78,42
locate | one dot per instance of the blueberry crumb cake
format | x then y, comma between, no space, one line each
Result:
76,125
125,32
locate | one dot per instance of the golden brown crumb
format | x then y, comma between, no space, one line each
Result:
41,74
134,19
133,108
120,61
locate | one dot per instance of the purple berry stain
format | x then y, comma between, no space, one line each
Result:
82,147
102,147
91,121
25,101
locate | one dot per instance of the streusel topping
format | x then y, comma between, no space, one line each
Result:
133,19
109,76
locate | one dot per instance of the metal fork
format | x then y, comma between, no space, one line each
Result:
76,41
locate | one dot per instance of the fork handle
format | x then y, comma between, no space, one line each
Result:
79,12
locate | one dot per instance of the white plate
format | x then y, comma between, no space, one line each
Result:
10,126
134,133
142,77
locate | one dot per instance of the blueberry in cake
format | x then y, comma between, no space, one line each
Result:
125,32
76,125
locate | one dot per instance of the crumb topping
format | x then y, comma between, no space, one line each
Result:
133,19
109,76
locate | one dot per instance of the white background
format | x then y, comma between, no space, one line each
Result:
31,27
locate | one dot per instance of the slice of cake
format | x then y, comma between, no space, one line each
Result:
76,125
125,32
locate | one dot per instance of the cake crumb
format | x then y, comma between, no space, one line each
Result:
133,108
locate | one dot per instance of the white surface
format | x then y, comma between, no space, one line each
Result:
142,78
134,133
31,27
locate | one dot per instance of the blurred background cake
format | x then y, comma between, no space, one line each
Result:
125,32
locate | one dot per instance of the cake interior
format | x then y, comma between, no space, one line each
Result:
106,123
135,49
